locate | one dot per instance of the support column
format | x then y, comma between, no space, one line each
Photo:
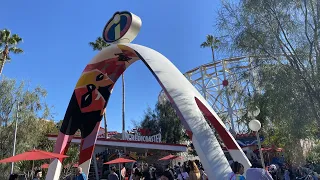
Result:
204,88
230,109
95,164
123,108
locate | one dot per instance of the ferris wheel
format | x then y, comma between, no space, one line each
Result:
225,84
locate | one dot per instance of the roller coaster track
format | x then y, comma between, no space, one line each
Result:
228,100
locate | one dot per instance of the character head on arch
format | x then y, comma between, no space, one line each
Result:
93,90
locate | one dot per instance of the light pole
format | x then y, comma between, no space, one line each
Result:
15,135
255,125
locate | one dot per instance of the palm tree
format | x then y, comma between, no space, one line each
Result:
212,43
99,44
9,43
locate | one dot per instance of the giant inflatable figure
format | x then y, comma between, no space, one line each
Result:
91,94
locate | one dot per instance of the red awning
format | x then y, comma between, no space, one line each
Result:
119,161
33,155
45,166
170,157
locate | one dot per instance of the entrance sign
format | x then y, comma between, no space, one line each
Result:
93,89
137,137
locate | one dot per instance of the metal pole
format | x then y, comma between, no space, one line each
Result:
120,176
119,167
105,125
32,173
15,137
123,112
204,88
95,165
219,90
230,110
261,155
123,108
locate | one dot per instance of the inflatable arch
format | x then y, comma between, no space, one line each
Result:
93,89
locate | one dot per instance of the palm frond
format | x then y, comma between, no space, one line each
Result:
204,45
211,42
17,38
15,50
98,44
5,35
9,41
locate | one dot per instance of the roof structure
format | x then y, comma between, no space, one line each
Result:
134,145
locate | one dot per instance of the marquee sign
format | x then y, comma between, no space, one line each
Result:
143,135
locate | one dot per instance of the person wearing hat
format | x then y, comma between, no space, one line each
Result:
38,175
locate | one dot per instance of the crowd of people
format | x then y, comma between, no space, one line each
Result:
272,172
79,175
193,170
190,170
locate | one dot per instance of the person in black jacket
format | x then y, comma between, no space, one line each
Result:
146,173
13,177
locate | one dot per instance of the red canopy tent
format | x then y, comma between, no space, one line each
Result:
171,157
119,161
33,155
45,166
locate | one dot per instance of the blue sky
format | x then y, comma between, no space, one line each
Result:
56,35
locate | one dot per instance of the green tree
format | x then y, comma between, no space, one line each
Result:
163,119
32,127
314,155
73,153
212,43
271,28
8,44
286,113
150,121
284,38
